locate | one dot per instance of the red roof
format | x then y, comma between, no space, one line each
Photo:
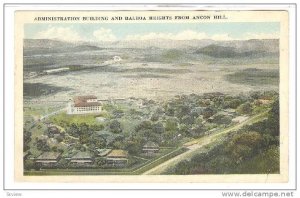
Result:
81,101
85,97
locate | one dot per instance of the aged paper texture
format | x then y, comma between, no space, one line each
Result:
151,96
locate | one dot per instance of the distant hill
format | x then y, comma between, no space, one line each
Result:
48,46
239,49
225,52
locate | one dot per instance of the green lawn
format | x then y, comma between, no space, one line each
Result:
63,119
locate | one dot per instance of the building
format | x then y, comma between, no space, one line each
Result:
150,148
48,158
84,105
82,158
117,158
117,58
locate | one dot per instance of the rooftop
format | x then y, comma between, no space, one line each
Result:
118,154
82,155
82,101
103,152
48,156
151,144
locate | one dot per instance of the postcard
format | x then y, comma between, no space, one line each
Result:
159,96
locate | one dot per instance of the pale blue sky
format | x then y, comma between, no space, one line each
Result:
122,31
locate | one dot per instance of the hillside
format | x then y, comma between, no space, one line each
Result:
236,51
48,46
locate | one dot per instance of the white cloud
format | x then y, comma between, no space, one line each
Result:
60,33
104,34
184,35
274,35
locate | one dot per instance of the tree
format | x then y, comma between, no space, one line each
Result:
274,121
115,126
183,168
85,137
208,112
155,117
158,128
188,120
26,139
73,130
133,146
97,141
221,119
146,124
42,145
245,108
244,145
234,103
83,128
183,111
171,124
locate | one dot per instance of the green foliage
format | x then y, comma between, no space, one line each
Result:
134,146
244,145
64,120
171,124
265,163
158,128
254,149
41,144
245,108
221,119
234,103
208,112
26,139
115,126
182,168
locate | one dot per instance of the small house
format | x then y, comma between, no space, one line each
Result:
82,158
117,158
150,148
48,158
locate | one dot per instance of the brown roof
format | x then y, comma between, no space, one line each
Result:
85,97
118,154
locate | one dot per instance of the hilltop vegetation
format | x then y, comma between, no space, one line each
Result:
254,149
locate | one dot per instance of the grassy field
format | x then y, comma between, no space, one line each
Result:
64,119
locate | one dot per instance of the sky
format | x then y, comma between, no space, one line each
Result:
145,31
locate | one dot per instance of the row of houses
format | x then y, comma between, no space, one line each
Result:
113,157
